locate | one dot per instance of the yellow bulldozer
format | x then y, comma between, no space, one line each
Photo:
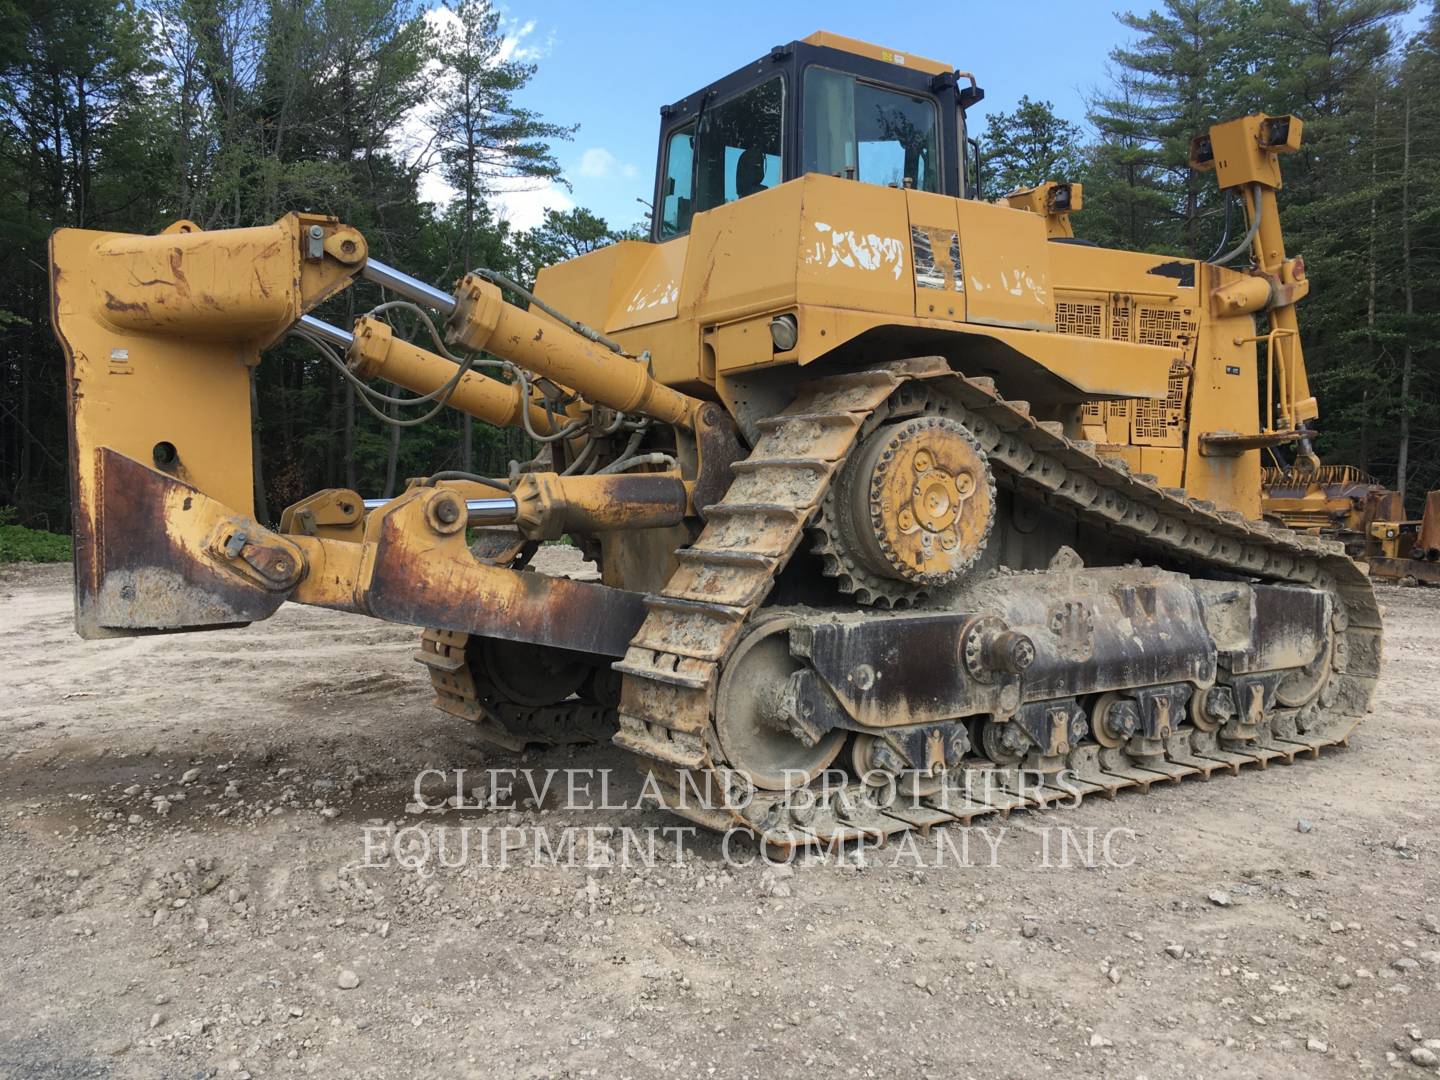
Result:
1344,503
908,506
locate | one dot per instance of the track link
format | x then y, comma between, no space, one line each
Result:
462,690
671,669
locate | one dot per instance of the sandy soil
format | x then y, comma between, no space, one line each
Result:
183,838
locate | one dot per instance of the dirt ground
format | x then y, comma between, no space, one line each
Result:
186,891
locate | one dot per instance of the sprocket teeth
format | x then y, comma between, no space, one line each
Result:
899,577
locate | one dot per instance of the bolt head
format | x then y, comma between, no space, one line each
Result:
448,512
1022,653
863,677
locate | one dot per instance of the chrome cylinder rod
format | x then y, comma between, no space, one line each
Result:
332,335
481,511
402,284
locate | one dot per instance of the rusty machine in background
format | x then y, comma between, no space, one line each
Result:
885,482
1342,503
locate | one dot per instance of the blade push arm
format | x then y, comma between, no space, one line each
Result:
159,334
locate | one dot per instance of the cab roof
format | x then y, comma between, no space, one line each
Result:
826,39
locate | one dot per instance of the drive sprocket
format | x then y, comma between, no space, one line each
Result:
911,510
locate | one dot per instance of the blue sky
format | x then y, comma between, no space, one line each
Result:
610,66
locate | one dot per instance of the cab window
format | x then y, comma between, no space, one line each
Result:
864,132
733,152
678,197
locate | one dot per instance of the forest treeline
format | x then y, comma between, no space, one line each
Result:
130,115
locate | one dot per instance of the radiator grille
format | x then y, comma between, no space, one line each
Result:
1086,320
1154,417
1153,422
1120,312
1171,327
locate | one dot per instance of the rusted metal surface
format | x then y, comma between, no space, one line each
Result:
717,448
1427,540
1421,570
670,669
148,569
415,577
895,670
1230,443
548,505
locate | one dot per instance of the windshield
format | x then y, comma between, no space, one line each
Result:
864,132
735,153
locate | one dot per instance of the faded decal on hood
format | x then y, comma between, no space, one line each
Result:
652,296
867,251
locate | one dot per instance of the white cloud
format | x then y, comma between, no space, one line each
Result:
520,202
597,162
515,47
629,171
434,189
525,208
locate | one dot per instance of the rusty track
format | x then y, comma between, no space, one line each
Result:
461,690
674,661
671,669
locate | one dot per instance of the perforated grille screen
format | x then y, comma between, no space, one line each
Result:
1076,318
1153,422
1172,327
1120,312
1157,418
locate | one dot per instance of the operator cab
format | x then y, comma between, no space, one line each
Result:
826,104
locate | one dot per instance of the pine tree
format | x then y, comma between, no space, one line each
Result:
1029,146
1170,84
484,138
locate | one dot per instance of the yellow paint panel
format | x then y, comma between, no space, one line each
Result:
935,251
854,247
145,365
647,283
1164,463
632,283
1097,269
1007,266
1222,398
743,344
826,40
740,259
